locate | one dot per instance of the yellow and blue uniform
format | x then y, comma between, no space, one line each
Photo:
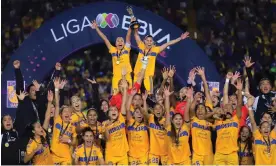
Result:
77,117
201,141
61,152
116,143
121,57
262,156
41,157
227,144
151,55
246,157
138,140
96,130
95,151
158,148
179,154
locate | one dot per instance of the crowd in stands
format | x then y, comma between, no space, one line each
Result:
132,124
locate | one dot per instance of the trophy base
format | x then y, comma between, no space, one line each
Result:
134,25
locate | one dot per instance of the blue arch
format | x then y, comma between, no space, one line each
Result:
70,31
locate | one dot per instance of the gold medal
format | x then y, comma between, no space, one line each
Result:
117,62
7,144
49,130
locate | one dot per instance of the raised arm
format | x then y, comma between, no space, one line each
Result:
191,78
18,77
57,85
193,105
95,93
123,107
106,41
182,37
137,37
165,72
226,88
201,72
252,119
239,95
170,77
145,106
129,101
46,122
128,37
167,106
252,83
189,96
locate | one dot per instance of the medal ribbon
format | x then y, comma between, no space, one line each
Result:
63,131
268,144
177,137
85,155
146,54
118,54
240,157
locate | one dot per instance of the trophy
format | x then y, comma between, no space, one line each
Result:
134,24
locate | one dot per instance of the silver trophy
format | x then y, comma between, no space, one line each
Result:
134,24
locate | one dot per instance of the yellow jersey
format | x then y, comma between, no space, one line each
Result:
97,130
245,156
201,136
120,59
41,157
138,139
69,130
157,137
88,154
116,143
183,147
151,55
262,155
77,117
227,135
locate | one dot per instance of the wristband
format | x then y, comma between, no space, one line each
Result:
144,66
250,108
56,89
243,93
227,80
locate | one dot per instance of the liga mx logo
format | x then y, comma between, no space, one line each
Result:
111,20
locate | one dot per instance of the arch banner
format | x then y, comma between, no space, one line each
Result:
71,31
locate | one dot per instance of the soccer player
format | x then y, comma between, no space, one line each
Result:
77,116
245,146
64,132
38,149
264,141
148,51
95,126
116,141
120,56
115,133
227,133
88,153
178,131
201,137
138,137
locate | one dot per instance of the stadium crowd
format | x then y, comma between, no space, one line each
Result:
74,120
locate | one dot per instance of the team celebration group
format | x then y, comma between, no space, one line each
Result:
191,127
